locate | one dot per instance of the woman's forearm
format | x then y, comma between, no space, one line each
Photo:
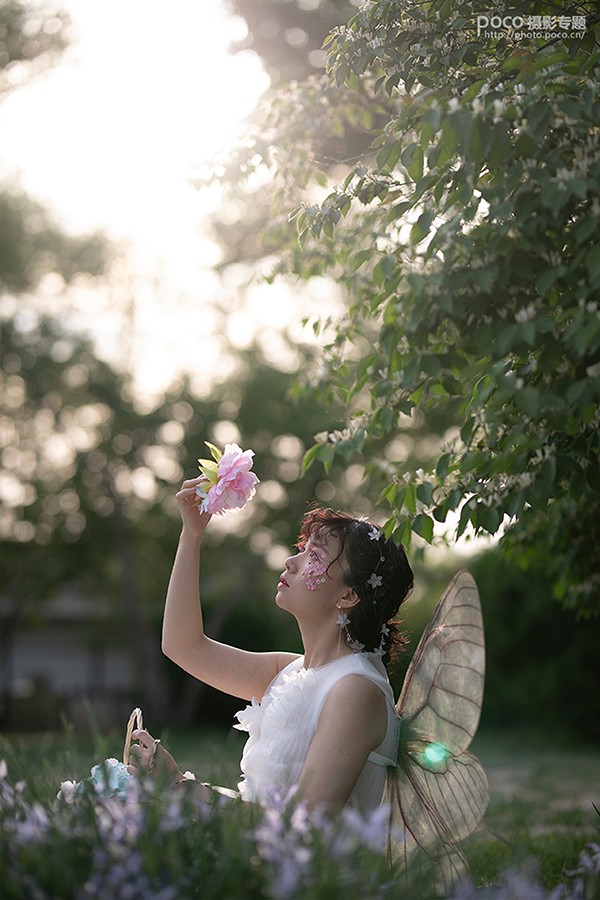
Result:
182,621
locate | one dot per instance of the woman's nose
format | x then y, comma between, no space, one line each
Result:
291,561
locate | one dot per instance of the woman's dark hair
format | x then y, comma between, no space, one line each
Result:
376,569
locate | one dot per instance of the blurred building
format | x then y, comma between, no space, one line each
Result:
68,663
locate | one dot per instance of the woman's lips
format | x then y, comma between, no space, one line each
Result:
282,582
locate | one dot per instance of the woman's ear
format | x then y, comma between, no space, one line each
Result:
348,599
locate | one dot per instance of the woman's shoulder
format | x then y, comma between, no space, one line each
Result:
364,673
354,684
358,703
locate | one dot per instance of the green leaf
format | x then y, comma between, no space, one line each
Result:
576,391
215,452
423,526
387,418
410,500
398,209
383,270
388,156
421,227
310,456
326,454
388,494
412,158
584,230
465,518
547,278
592,264
425,492
402,532
489,518
548,472
441,469
209,467
359,258
528,399
461,123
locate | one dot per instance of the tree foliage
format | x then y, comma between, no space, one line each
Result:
32,36
33,245
468,243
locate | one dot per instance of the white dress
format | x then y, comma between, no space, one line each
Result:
282,726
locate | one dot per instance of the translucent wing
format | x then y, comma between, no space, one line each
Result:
439,791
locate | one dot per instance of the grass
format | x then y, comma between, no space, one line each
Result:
541,812
540,816
44,760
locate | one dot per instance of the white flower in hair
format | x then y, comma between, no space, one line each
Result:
342,619
380,651
375,533
356,645
375,581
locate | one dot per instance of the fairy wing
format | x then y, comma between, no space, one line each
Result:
439,791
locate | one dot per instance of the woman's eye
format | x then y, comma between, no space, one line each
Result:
313,555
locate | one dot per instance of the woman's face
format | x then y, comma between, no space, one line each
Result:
314,576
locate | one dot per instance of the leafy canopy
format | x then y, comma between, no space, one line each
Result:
467,243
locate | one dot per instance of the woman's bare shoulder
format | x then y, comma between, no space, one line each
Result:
359,700
358,688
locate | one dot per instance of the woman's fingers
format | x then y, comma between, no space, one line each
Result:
192,483
143,736
138,764
149,754
189,501
144,753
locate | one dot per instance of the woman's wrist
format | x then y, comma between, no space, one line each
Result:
190,536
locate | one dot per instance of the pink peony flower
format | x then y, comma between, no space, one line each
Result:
229,483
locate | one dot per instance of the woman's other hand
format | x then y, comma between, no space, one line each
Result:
149,757
194,522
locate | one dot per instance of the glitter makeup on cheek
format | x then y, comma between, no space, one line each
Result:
314,573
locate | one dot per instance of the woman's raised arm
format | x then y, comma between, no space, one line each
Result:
240,673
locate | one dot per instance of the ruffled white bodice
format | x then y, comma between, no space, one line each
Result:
282,726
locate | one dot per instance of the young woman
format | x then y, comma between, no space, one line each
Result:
324,722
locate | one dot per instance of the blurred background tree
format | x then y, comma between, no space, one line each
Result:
288,35
32,38
540,660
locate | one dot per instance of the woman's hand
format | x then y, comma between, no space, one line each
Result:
194,522
150,757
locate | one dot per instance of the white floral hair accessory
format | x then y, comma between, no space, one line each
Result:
374,581
380,651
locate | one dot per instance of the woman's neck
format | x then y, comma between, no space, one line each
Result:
323,647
